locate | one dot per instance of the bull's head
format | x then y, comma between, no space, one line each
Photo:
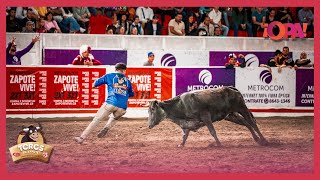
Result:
156,114
32,131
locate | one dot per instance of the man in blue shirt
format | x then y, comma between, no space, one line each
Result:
119,91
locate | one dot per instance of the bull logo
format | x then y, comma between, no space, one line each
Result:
266,76
168,60
205,77
31,145
251,60
32,134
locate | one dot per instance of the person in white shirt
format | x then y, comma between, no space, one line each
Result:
145,14
176,26
215,19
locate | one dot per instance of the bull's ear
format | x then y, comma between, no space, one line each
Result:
26,129
39,127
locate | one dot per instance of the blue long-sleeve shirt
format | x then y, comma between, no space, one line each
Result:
119,89
16,59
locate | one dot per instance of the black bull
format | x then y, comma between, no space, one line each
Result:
195,109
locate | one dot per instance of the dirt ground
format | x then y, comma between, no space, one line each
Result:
130,147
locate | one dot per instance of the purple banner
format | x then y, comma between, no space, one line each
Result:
188,79
304,87
65,57
253,58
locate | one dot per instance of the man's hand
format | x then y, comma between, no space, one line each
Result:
13,40
35,39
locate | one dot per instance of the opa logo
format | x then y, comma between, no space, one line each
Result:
251,60
266,76
168,60
205,77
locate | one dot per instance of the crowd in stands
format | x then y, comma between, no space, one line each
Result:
175,21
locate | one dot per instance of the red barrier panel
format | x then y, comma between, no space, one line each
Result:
32,88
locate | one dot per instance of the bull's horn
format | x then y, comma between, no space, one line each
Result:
25,129
38,127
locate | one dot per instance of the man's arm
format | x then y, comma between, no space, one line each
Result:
130,91
29,47
100,81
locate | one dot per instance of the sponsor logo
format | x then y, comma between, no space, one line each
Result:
251,60
266,76
168,60
205,77
31,145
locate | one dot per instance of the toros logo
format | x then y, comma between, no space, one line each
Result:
168,60
205,77
251,60
266,76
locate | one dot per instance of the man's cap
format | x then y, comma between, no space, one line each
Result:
232,55
150,54
29,22
120,66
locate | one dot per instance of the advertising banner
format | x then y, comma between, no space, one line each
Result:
253,58
304,87
66,88
262,88
189,79
149,84
137,58
66,56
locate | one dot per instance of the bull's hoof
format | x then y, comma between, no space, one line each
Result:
263,142
180,146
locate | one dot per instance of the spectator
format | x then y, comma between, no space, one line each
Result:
12,23
153,27
285,60
98,24
232,61
176,26
123,22
134,31
145,15
121,30
21,13
202,32
306,16
29,27
258,20
273,61
215,19
150,60
303,61
217,31
226,13
207,26
204,12
165,11
111,29
40,26
13,56
136,24
56,13
180,10
50,24
284,15
41,11
82,15
191,26
240,21
69,24
29,17
85,57
271,16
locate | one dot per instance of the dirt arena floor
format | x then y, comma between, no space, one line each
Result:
130,147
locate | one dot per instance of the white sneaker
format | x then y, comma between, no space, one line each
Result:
79,140
82,30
